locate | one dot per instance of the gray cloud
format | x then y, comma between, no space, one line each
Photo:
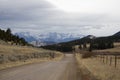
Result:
40,16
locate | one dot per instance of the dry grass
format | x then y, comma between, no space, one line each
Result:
93,65
113,50
8,49
30,61
117,44
19,55
98,69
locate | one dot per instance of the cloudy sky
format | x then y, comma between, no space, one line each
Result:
96,17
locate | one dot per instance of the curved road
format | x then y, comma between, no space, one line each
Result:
54,70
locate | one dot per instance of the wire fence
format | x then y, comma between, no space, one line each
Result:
111,59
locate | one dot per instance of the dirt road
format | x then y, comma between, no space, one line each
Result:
54,70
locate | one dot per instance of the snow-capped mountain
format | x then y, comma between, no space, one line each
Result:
59,37
48,38
27,36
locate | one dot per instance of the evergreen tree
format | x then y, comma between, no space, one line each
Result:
84,46
8,34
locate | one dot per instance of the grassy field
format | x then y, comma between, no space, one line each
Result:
91,66
96,66
19,55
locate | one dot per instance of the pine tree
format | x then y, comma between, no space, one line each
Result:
8,34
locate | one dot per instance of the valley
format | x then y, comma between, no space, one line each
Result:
87,58
59,39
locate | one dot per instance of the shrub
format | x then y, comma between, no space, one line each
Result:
87,54
1,59
12,58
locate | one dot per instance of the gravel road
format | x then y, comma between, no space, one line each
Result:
53,70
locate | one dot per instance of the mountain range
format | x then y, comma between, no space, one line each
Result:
117,34
48,38
104,42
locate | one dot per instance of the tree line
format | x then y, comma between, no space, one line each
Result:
7,36
102,43
59,47
95,44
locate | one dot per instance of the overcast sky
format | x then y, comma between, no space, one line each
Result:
96,17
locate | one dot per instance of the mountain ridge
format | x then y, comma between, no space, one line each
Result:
97,43
48,38
117,34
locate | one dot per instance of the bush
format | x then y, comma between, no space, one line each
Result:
12,58
23,57
1,59
87,54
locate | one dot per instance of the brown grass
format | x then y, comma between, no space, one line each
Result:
8,49
112,50
98,69
117,44
19,55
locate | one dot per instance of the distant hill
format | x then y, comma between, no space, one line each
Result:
90,37
115,37
117,34
99,42
87,39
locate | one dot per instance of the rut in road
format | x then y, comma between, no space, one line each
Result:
53,70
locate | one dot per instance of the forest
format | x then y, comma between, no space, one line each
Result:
7,36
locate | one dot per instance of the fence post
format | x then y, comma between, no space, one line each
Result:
100,57
115,61
110,60
103,58
106,59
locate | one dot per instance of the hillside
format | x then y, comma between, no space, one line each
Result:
87,39
117,34
7,36
97,43
15,51
11,56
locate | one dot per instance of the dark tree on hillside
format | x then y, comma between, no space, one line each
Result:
8,34
102,44
22,41
80,46
2,34
8,31
91,47
84,46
